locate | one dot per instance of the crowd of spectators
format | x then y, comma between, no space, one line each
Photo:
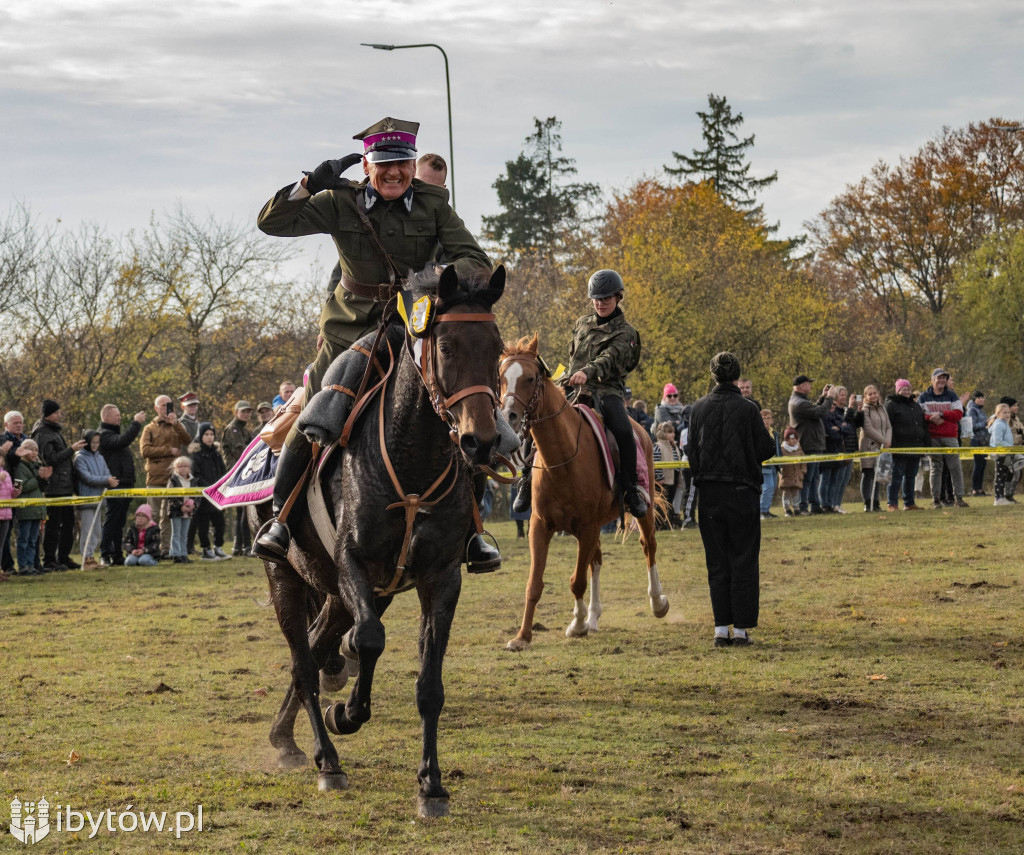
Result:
837,422
177,448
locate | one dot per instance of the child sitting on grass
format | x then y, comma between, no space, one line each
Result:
142,541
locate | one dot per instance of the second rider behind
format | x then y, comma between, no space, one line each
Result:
604,349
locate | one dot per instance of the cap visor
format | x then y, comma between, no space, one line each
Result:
384,155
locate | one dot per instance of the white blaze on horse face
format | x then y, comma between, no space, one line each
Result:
512,375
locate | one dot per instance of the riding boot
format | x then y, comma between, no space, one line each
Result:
635,503
272,544
481,557
524,492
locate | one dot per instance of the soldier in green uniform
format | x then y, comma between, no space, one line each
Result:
411,219
604,349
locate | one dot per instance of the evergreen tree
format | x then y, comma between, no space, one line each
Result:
539,206
722,162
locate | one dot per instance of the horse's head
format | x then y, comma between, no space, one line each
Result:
464,346
523,376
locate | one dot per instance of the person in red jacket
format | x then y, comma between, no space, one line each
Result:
942,413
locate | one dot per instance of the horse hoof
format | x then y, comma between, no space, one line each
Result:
331,683
517,645
291,759
591,626
328,781
433,808
660,608
338,722
348,649
574,631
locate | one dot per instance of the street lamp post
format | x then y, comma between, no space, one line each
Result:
448,88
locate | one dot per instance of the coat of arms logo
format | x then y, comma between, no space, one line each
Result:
30,821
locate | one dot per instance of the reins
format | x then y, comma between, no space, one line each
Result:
441,401
529,417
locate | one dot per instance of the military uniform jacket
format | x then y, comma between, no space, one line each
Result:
606,353
411,238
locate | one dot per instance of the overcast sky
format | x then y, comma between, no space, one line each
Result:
111,110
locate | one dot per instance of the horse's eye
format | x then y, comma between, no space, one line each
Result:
446,350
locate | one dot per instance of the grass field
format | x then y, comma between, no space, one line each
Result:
881,710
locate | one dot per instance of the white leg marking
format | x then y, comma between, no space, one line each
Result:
659,602
578,627
595,598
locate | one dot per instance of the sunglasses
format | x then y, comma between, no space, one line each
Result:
672,396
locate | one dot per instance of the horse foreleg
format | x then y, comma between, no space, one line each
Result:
437,606
331,623
364,642
289,596
588,539
649,544
540,541
594,612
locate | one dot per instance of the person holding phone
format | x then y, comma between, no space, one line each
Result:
163,439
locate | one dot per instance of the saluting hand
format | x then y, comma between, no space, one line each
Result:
327,176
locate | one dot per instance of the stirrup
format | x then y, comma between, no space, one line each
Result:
488,565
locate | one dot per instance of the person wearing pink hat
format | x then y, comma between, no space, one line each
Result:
142,540
671,410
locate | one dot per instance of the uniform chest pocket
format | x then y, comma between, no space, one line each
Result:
352,240
421,238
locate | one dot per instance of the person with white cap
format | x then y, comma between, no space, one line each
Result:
384,227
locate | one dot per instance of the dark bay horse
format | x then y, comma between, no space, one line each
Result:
402,500
570,492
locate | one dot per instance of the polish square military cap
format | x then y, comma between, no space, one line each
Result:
389,139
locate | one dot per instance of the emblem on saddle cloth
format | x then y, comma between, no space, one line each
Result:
418,315
597,426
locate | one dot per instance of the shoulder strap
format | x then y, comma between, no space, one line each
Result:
393,272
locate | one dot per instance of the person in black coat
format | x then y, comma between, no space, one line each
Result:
116,450
208,468
726,445
908,431
54,451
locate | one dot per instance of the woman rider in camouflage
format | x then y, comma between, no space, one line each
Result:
605,348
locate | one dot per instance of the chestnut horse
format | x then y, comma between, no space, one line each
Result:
570,490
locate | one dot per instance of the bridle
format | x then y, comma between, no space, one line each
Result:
530,407
441,401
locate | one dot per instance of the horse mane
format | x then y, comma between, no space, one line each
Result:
474,287
527,344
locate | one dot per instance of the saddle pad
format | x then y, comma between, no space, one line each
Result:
249,482
597,426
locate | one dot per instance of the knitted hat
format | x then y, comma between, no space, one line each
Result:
669,389
903,382
49,407
789,433
146,511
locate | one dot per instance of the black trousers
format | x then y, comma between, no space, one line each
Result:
729,518
115,514
206,514
60,533
243,538
617,420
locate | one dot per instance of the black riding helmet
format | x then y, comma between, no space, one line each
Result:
604,283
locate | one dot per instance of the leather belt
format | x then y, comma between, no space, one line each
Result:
380,293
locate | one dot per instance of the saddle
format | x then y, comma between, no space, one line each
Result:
609,449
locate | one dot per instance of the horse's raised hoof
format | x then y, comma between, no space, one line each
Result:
575,630
332,683
291,758
433,807
338,722
348,649
517,645
660,607
329,781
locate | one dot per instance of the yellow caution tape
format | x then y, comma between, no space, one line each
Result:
962,451
55,501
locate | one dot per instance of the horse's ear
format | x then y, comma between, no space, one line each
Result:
497,283
533,345
448,284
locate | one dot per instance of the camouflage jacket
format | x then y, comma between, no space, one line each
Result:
606,353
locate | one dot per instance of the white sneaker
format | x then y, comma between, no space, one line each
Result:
838,510
1002,503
